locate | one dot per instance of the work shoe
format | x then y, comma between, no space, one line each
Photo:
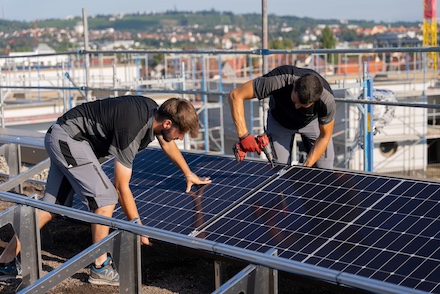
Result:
10,270
105,275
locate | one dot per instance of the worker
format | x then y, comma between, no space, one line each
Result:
120,127
301,101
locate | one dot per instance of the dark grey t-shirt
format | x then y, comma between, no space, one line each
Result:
278,85
118,126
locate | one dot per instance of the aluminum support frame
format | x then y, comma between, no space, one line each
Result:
253,279
12,155
18,179
25,225
124,247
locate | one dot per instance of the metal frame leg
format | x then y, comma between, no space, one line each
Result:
254,279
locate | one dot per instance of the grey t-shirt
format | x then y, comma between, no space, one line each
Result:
118,126
278,85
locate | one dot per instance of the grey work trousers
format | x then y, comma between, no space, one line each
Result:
74,168
282,142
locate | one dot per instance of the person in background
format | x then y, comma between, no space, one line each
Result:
120,127
301,101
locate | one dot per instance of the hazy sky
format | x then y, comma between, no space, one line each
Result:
377,10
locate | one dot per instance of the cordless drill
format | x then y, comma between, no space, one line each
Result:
263,143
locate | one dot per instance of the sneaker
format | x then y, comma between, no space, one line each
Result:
10,270
105,275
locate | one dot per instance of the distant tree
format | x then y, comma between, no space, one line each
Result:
328,41
281,44
349,35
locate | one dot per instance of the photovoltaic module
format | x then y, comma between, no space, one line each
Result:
382,228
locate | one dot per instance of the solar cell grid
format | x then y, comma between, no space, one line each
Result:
378,227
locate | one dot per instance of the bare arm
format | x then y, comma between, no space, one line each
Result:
173,152
321,143
126,199
236,98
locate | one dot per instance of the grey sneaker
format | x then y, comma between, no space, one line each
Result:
105,275
10,270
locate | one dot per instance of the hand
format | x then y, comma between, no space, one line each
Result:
146,241
249,144
193,179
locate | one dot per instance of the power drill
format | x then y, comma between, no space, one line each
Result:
263,143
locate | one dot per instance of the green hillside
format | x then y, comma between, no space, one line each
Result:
179,22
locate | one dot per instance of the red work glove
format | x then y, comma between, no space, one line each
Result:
248,143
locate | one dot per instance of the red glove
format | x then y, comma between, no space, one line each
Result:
249,144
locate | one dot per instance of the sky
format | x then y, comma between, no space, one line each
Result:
373,10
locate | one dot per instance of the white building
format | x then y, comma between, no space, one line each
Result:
26,59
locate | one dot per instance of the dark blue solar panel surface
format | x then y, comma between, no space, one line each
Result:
387,229
159,188
383,228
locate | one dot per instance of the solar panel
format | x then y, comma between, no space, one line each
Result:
382,228
159,188
387,229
